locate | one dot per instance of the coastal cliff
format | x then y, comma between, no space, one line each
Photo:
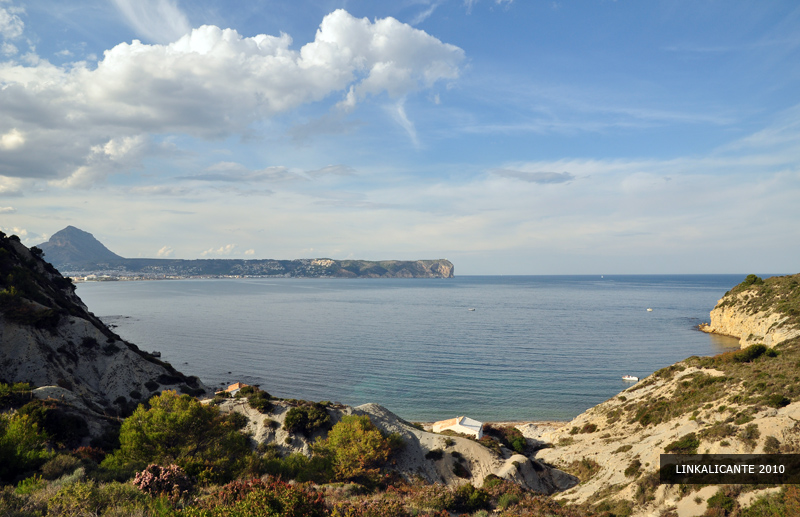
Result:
49,338
759,311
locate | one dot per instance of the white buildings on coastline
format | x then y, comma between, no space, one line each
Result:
460,424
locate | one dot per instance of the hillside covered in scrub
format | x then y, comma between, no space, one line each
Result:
49,338
745,401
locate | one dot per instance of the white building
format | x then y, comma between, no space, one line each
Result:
460,424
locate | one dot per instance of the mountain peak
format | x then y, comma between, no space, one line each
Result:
75,246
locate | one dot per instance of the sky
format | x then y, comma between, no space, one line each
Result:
508,136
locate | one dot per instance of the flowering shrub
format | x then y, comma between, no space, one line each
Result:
94,454
257,498
171,481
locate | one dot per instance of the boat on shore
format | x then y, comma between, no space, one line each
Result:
630,378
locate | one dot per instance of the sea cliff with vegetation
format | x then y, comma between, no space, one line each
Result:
78,436
759,311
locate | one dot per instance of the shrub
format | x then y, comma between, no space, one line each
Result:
687,444
722,501
59,465
170,481
151,385
506,500
356,447
435,454
257,498
749,435
306,419
584,469
461,471
434,497
79,498
470,499
778,401
749,354
633,468
259,400
178,429
772,445
22,445
509,436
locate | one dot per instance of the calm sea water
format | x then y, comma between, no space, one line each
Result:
534,348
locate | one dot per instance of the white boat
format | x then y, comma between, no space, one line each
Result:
470,309
630,378
649,309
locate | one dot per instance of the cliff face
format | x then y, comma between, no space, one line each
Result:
49,338
758,311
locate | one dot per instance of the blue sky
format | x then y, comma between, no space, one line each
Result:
511,137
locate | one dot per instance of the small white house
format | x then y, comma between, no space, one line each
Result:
460,424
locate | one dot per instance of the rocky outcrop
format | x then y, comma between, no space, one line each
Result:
758,311
414,460
49,338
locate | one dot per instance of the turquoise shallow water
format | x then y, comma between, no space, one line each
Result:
534,348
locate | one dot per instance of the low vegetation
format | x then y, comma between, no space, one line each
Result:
779,294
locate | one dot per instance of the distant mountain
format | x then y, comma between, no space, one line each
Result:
78,253
72,246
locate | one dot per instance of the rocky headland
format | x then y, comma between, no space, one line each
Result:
758,311
79,254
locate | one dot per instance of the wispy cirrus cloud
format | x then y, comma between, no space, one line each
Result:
159,21
535,177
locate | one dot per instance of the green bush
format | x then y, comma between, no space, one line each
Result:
22,445
434,454
470,499
722,501
60,465
633,468
778,401
178,429
749,435
507,500
357,448
772,445
687,444
306,419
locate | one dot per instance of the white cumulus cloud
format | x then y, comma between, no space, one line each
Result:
81,124
164,252
7,210
223,250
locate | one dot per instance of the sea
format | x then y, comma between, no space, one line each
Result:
495,348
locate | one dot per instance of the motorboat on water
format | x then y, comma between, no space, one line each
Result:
630,378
